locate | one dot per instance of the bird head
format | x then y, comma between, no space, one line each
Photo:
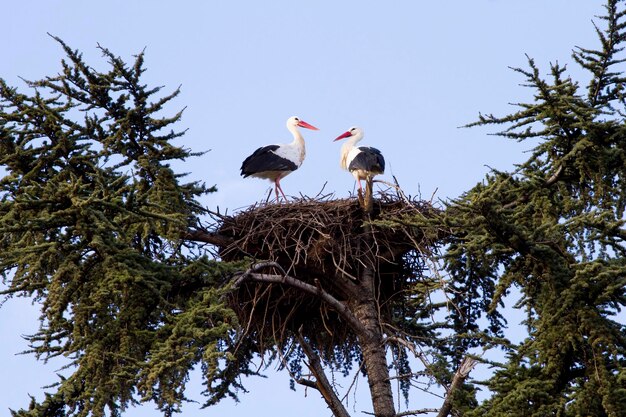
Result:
294,121
353,131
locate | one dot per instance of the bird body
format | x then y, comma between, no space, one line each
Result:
274,162
271,161
363,162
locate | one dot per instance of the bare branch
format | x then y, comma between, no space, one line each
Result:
207,237
417,412
410,346
457,381
410,375
321,382
408,413
555,176
354,380
302,381
344,312
307,383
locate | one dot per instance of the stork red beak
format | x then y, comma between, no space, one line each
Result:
343,135
302,123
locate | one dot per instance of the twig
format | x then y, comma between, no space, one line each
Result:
408,413
411,346
555,176
404,343
432,196
354,380
301,381
409,375
396,186
343,271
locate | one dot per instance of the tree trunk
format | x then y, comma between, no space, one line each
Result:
373,348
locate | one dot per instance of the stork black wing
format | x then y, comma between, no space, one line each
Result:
369,159
264,159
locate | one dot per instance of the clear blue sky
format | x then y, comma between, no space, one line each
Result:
408,72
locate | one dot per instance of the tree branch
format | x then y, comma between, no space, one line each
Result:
418,355
554,177
321,382
405,343
457,382
207,237
408,413
416,412
307,383
344,312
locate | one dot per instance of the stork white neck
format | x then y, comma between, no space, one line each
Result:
295,151
348,146
298,139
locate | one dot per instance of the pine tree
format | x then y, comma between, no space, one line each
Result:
100,230
91,216
553,229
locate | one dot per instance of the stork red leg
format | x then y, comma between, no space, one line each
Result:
279,188
360,186
276,190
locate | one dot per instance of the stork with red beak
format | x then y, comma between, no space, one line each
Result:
363,162
275,162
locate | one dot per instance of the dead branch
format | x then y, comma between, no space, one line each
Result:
321,382
408,413
396,186
307,383
354,380
207,237
457,382
285,279
417,412
411,375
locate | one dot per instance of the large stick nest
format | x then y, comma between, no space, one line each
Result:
324,243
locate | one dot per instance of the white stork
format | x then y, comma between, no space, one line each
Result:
363,162
275,162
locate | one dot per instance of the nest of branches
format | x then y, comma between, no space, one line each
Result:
324,243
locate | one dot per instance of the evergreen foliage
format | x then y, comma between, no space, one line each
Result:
91,218
553,229
95,226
